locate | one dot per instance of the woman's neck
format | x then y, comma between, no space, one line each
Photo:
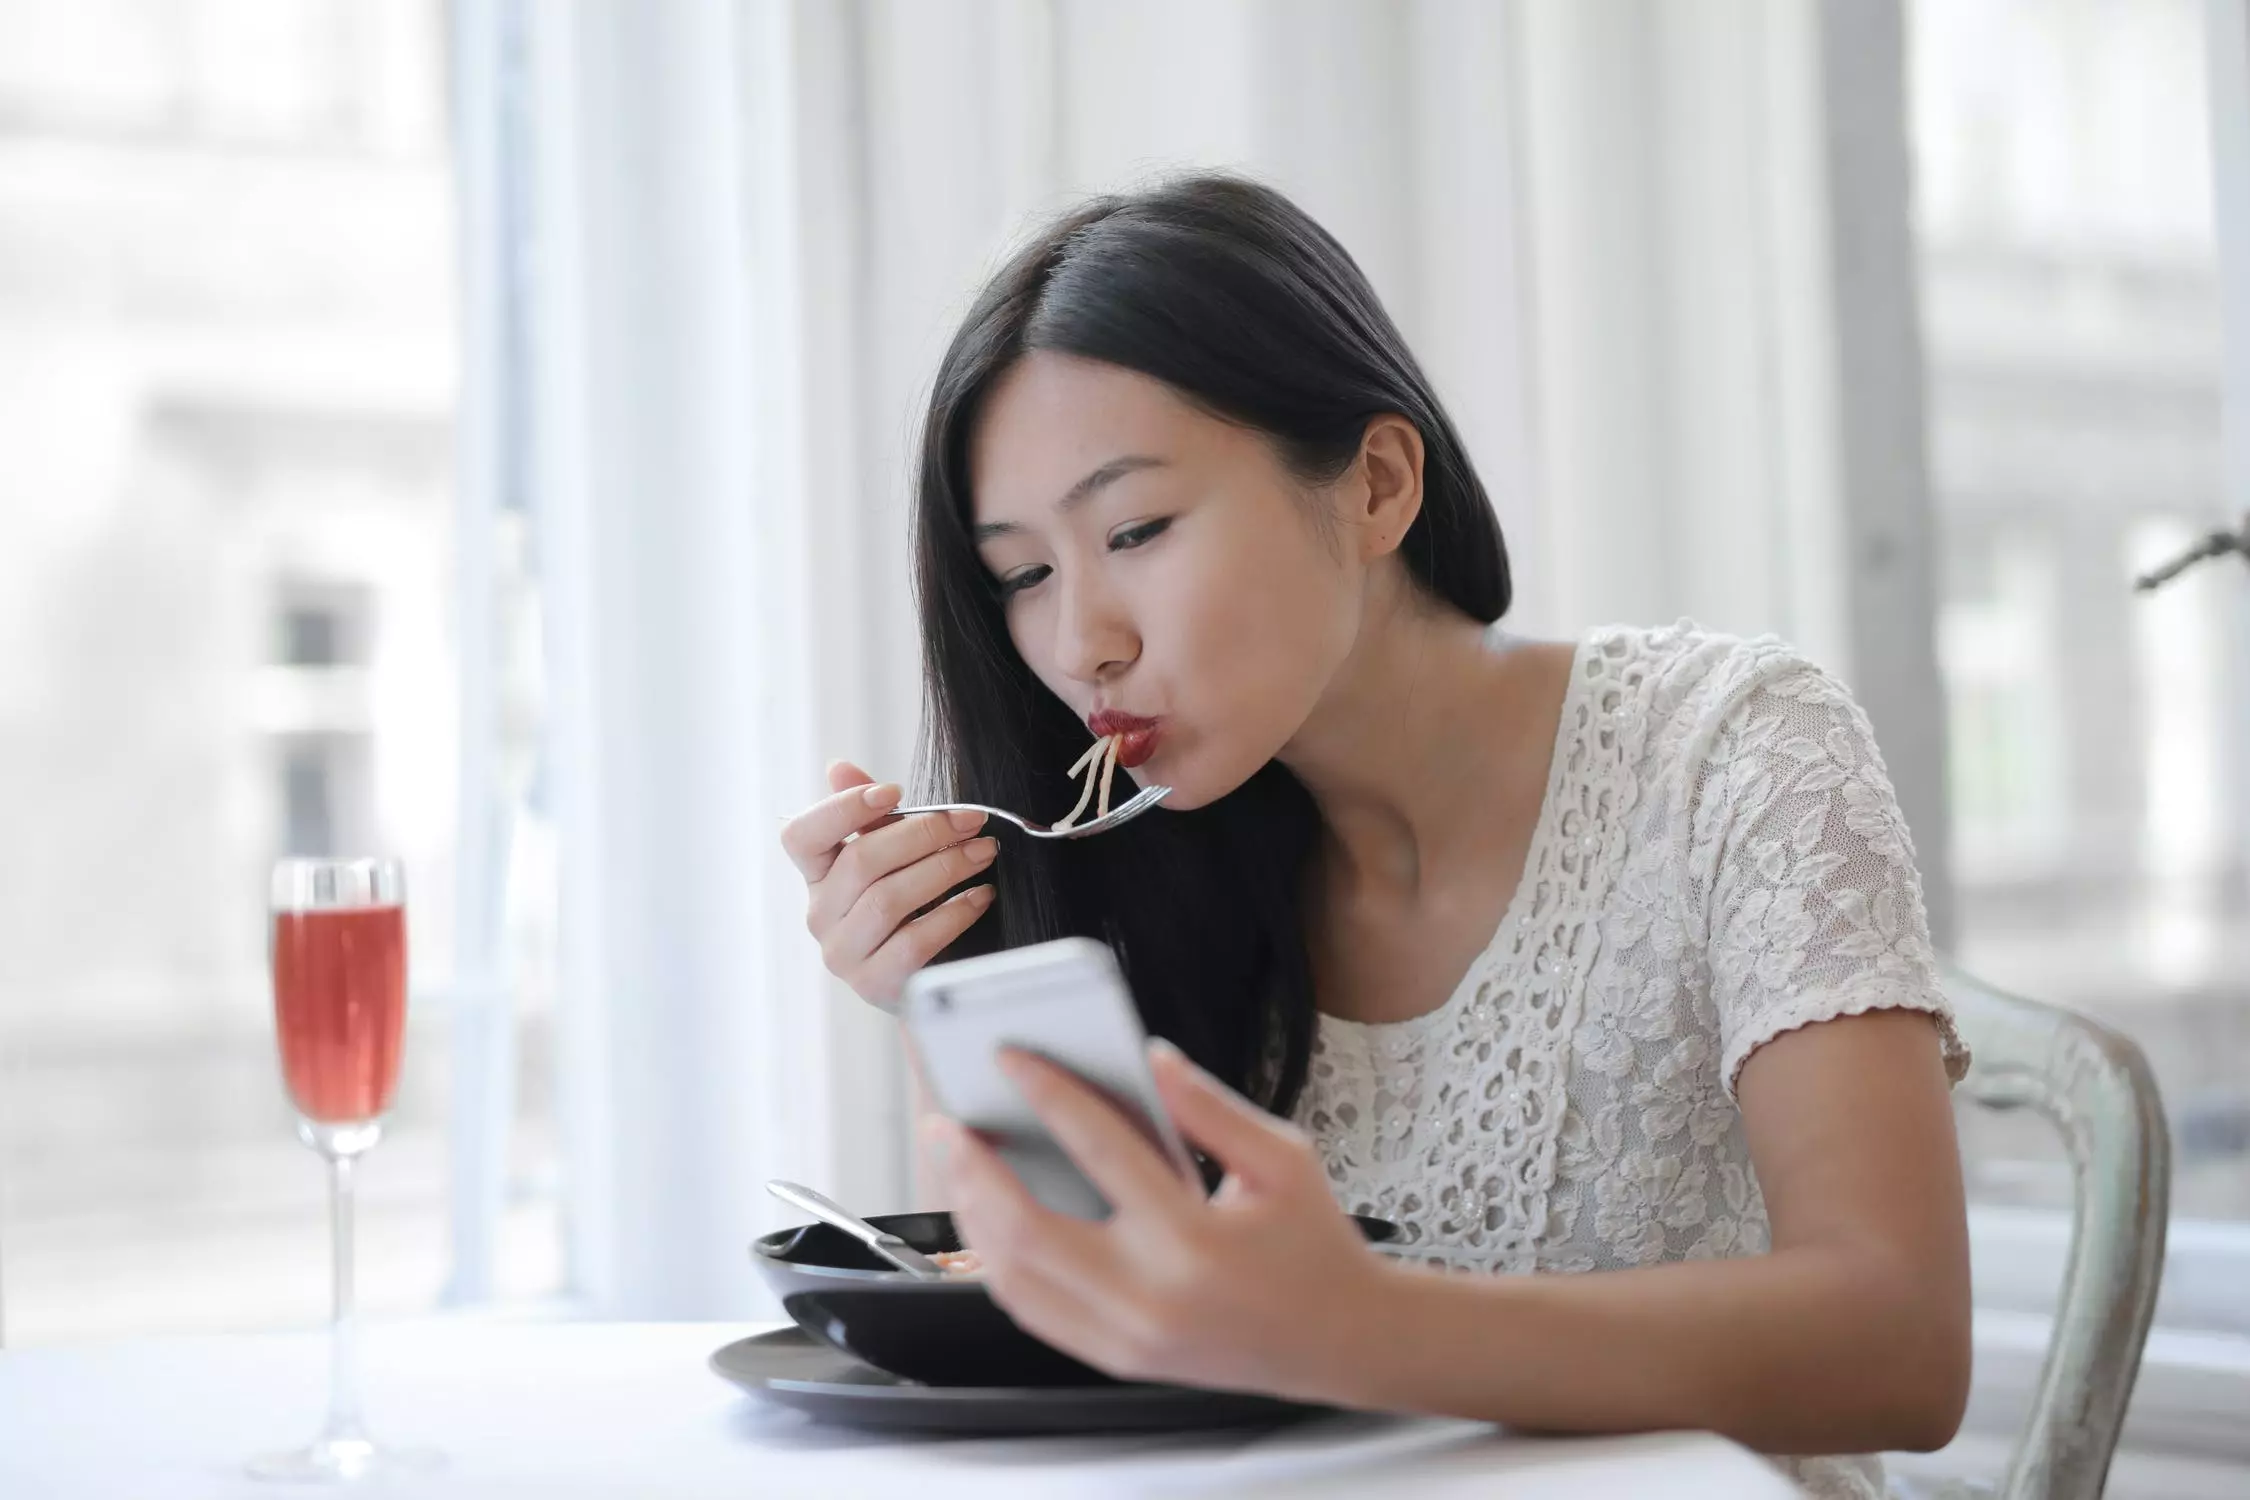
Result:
1426,729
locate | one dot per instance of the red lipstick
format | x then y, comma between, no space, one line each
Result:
1137,736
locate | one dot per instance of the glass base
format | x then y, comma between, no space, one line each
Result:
344,1460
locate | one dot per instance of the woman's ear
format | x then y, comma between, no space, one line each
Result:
1390,463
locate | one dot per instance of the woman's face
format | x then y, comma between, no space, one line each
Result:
1158,563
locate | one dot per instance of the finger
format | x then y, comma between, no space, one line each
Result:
1073,1284
1132,1174
812,838
1061,1278
896,844
880,852
913,946
996,1214
1249,1142
890,903
843,776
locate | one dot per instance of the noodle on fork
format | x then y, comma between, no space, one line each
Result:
1099,764
1109,769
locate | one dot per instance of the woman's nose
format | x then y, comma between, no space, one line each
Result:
1093,637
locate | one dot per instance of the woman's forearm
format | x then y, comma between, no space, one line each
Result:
1815,1349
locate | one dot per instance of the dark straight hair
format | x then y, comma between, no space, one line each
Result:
1231,295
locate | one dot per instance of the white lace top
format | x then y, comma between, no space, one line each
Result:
1719,859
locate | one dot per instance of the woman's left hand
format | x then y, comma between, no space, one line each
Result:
1263,1286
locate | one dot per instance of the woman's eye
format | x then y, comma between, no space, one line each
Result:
1139,536
1122,541
1023,578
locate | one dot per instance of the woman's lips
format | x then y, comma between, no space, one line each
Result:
1136,736
1136,746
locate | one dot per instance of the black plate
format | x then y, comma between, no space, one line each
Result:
789,1368
939,1333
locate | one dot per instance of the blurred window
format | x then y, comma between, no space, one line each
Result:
228,375
2098,753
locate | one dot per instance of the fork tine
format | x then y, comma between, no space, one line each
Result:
1132,808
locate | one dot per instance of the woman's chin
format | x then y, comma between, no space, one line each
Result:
1183,798
1189,790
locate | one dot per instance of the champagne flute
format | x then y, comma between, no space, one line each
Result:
339,999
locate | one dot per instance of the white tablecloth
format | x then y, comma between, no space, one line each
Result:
585,1409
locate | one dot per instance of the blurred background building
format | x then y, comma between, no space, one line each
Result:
228,374
2097,747
316,316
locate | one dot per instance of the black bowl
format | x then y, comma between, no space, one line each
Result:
946,1332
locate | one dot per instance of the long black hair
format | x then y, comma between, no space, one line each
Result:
1231,295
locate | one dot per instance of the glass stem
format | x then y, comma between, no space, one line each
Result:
343,1343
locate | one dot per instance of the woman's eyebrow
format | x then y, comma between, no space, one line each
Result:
1084,490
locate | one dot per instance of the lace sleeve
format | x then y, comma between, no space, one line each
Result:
1805,870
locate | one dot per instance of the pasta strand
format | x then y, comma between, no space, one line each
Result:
1084,760
1109,768
1086,793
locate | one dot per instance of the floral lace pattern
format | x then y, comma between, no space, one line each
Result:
1720,859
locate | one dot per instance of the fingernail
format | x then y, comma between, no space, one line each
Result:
982,850
966,822
1164,1048
980,895
881,795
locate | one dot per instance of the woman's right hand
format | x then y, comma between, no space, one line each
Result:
863,894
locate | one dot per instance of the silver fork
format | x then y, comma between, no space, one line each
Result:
1118,816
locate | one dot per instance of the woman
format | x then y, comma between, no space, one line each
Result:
1604,957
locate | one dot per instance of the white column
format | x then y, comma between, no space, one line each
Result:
2227,43
481,1015
1883,528
2226,40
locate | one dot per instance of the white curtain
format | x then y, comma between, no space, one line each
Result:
705,650
756,222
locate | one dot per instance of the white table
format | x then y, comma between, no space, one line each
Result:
617,1409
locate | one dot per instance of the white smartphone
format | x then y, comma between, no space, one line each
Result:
1065,1001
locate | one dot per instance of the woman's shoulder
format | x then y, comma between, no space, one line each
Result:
1674,686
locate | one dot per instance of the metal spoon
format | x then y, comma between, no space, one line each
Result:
1117,817
829,1211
